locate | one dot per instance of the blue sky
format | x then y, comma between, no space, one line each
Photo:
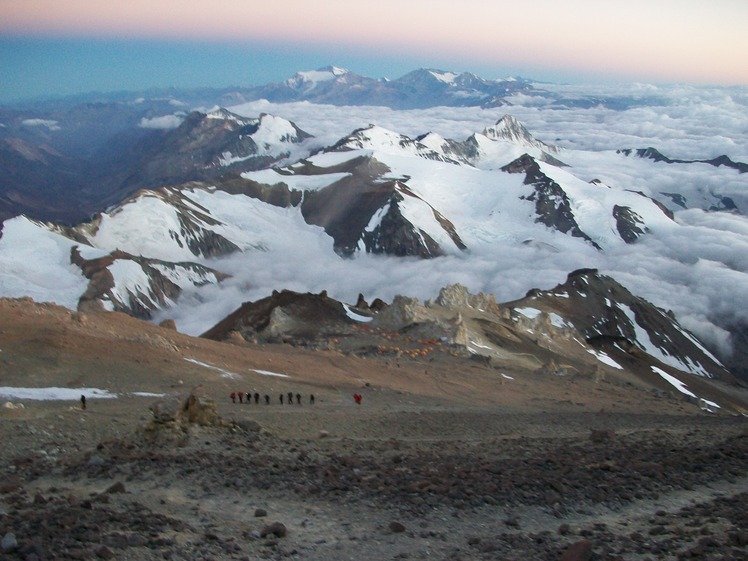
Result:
49,67
49,48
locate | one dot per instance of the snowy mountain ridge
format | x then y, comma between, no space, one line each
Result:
375,192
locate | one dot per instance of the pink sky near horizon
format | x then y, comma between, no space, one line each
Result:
661,40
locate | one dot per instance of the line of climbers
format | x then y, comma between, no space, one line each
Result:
289,398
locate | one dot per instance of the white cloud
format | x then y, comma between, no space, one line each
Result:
698,270
163,122
49,123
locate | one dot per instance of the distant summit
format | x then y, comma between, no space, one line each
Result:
418,89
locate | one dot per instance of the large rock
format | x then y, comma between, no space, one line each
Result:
173,417
403,311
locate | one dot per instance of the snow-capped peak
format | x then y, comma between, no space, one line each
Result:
273,131
222,114
310,78
380,139
510,129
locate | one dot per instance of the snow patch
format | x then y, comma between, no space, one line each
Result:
354,316
224,373
529,313
269,373
295,182
680,386
54,393
646,343
446,77
605,359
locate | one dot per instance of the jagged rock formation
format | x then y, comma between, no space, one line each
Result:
589,326
610,318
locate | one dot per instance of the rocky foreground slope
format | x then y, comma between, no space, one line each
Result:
444,459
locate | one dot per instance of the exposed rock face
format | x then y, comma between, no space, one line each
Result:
456,296
403,311
589,326
140,299
362,212
552,205
284,315
629,224
395,235
608,316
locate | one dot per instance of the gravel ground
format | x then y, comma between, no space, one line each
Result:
543,486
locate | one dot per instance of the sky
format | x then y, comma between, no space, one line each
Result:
50,48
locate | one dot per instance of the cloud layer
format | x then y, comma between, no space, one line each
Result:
699,269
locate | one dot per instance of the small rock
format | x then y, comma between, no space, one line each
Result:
324,434
95,461
118,487
260,512
11,484
136,540
658,530
512,522
278,529
473,540
580,551
9,543
602,435
103,552
396,527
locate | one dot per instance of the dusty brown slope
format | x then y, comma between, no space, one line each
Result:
46,345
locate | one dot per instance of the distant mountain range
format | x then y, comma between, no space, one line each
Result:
416,90
66,159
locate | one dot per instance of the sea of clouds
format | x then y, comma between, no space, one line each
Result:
699,271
